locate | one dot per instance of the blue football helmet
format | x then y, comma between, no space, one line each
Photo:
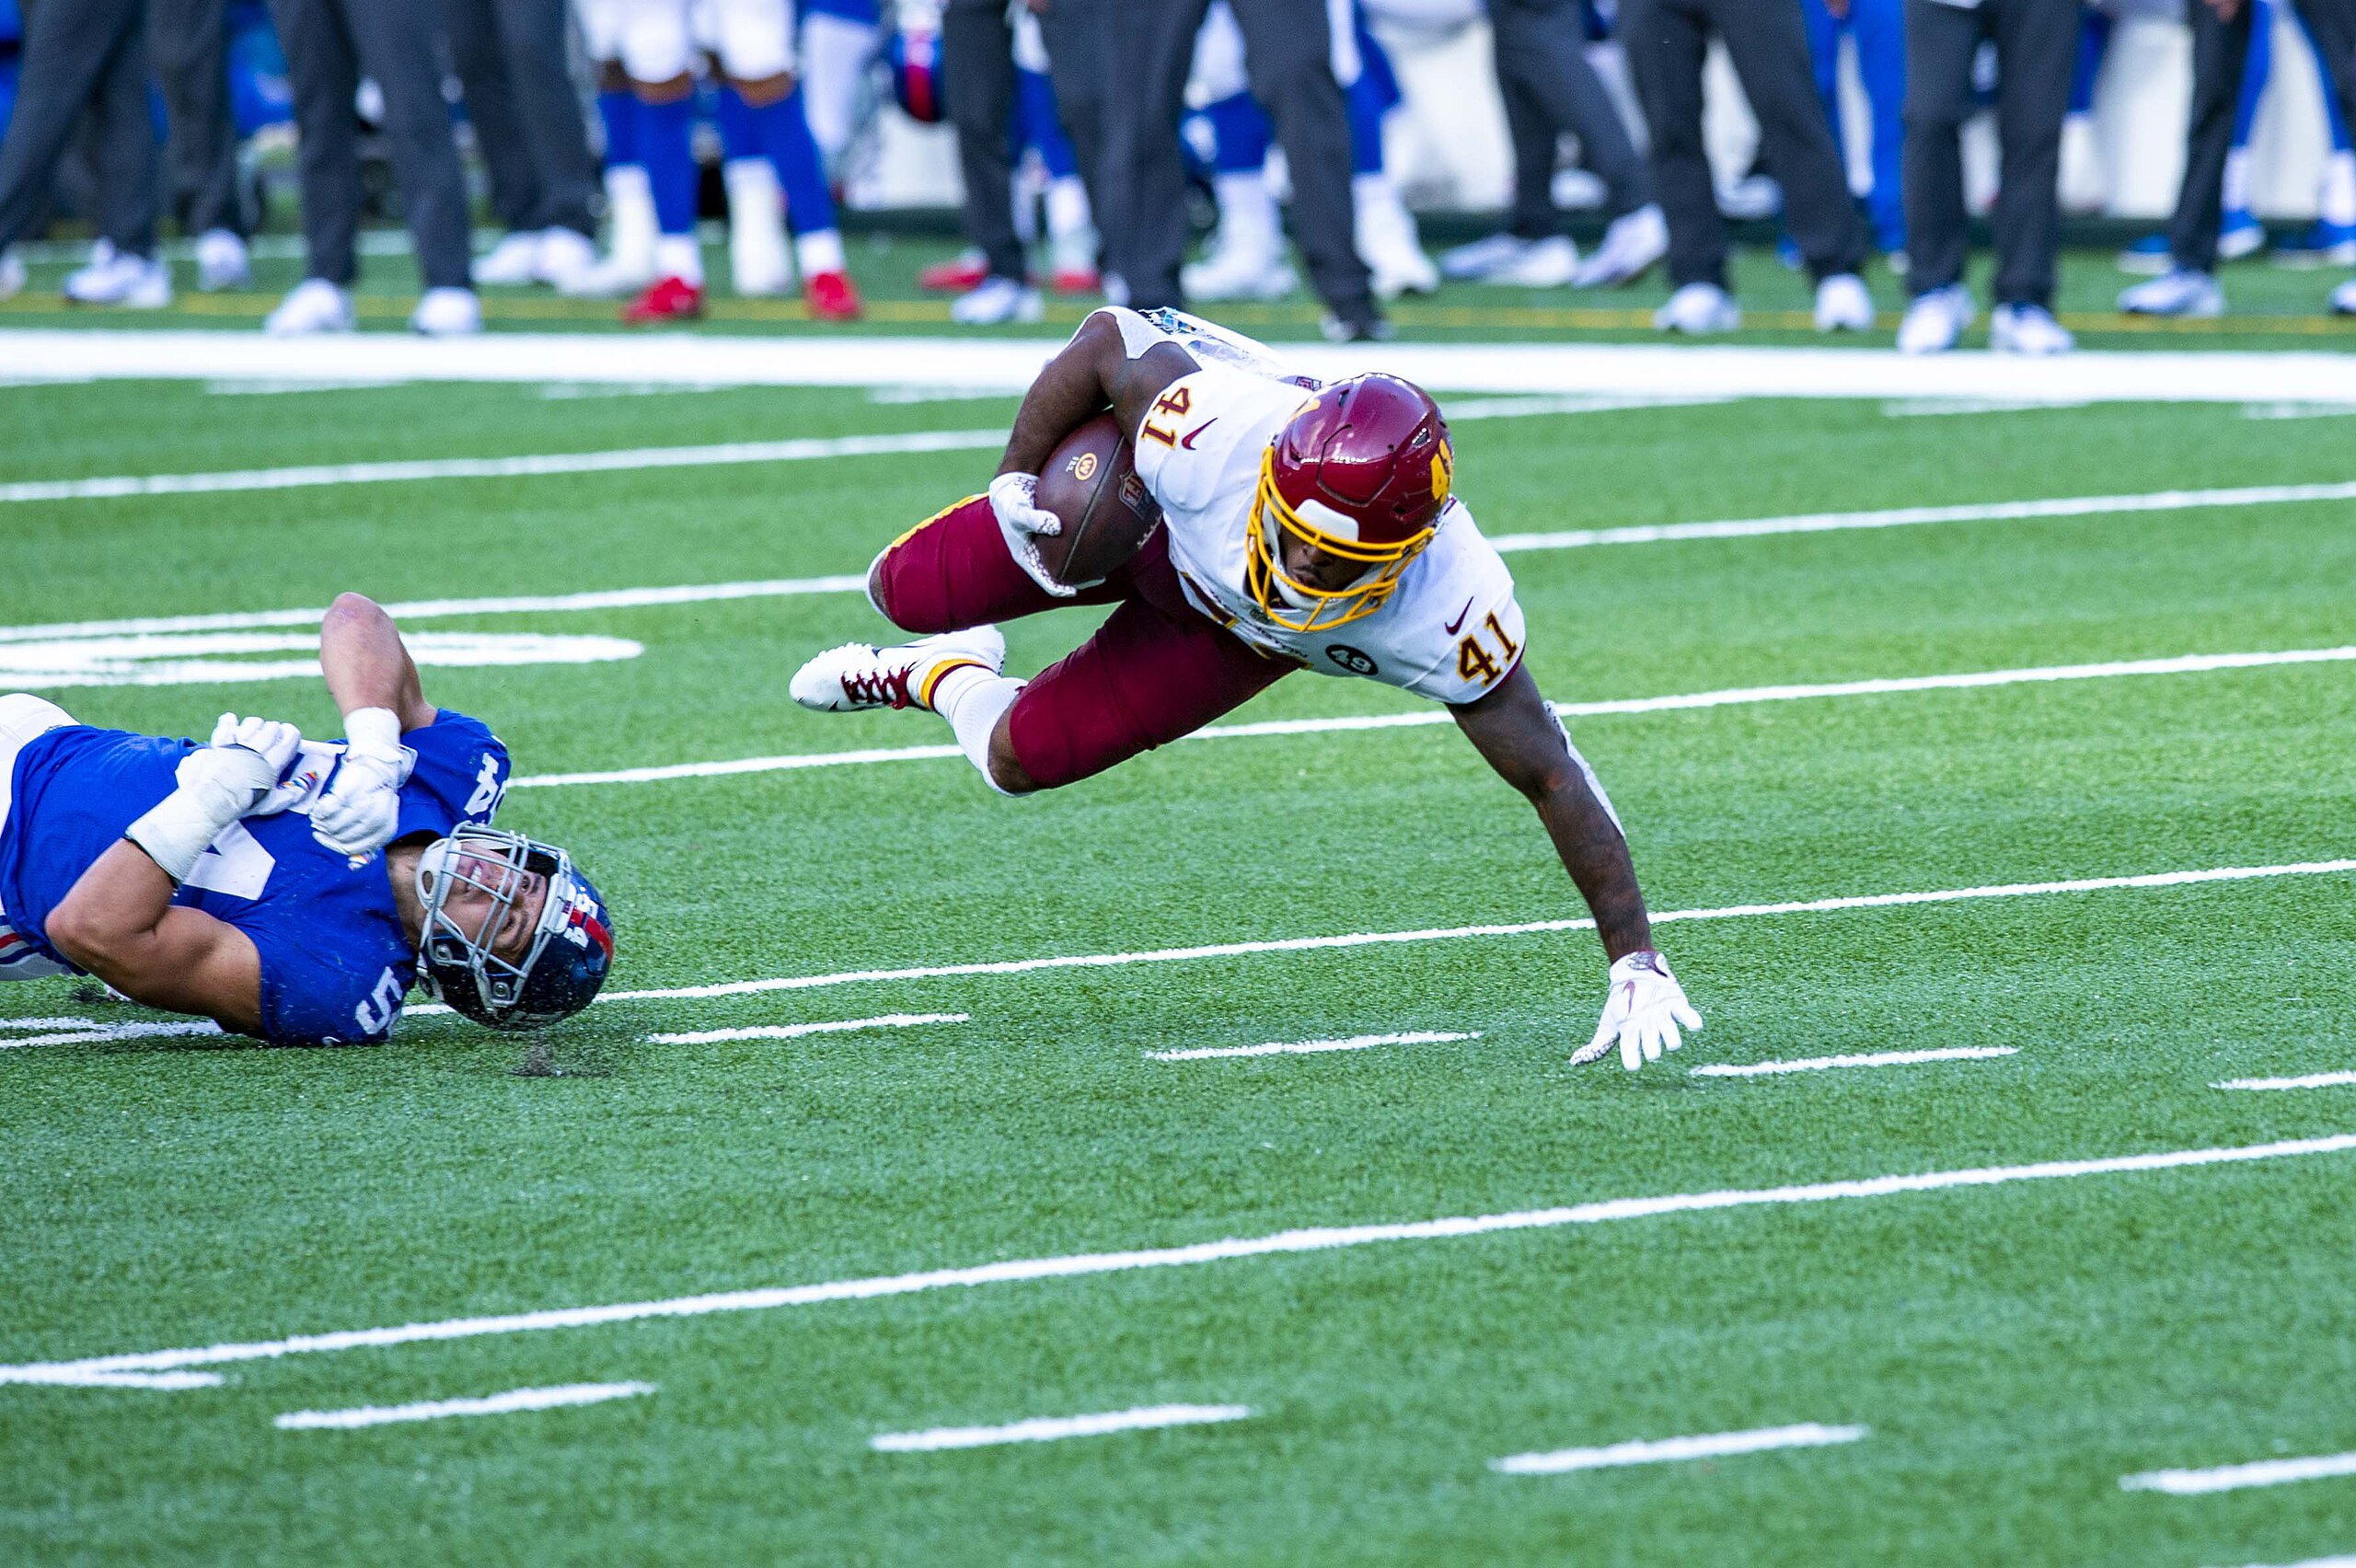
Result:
571,945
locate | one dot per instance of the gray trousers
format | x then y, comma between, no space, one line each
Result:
189,42
1289,56
509,57
977,88
1667,41
329,45
1548,88
2219,49
2037,44
79,52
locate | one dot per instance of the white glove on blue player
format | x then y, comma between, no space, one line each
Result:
1014,503
218,783
1642,1013
362,807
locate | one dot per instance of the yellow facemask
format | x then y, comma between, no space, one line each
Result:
1296,605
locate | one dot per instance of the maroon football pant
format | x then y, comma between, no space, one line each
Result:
1156,670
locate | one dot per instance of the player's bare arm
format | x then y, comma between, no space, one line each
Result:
1094,371
119,923
376,685
1517,735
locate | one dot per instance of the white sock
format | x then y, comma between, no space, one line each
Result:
973,700
1067,206
629,209
2236,181
819,251
678,256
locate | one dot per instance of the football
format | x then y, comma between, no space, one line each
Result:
1091,481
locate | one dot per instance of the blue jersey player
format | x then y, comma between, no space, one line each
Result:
290,889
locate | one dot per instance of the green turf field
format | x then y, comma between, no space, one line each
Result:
2011,1348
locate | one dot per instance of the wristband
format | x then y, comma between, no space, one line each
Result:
180,826
374,732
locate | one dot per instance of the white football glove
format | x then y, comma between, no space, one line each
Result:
361,809
1020,518
218,782
1646,1006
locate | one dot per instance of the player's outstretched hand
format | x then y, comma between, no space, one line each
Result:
362,808
1642,1013
238,767
1014,501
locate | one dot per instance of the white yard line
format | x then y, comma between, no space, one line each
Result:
2195,664
49,1023
508,1403
1715,1444
2342,1561
1877,1059
734,452
1069,1266
1460,933
70,1377
1312,1047
2235,1478
2311,1080
87,1033
796,1031
1049,1428
1007,364
1650,533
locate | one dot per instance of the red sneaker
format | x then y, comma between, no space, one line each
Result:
666,299
955,275
830,296
1076,281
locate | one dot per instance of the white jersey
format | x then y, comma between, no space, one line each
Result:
1450,630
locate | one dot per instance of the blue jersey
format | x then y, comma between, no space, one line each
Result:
336,963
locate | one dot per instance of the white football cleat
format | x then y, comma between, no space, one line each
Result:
1548,263
2343,299
1238,269
564,255
2180,293
857,676
222,262
612,278
1842,304
1387,241
1699,308
514,259
117,278
312,305
1632,246
1477,260
2028,330
446,313
994,302
1936,320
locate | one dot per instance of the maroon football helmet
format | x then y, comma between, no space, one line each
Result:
1361,471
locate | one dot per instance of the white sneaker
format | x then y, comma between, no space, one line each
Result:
12,275
1387,241
312,305
1544,264
514,259
1936,320
2028,330
1468,264
994,302
1842,304
446,313
2175,294
1238,271
1631,247
611,278
117,278
1698,308
2343,299
856,676
564,256
222,262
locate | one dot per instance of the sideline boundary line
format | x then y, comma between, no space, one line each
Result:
1074,1265
2182,664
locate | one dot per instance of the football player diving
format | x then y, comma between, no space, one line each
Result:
286,889
1303,526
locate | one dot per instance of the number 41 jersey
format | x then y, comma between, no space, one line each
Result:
336,962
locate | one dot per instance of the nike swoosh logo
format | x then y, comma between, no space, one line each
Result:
1459,621
1189,441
